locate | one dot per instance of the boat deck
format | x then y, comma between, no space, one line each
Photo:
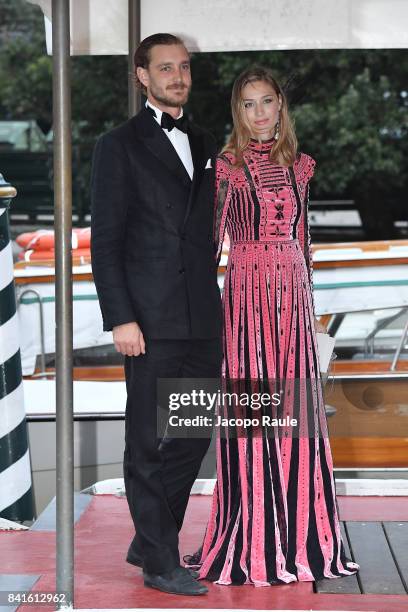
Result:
376,530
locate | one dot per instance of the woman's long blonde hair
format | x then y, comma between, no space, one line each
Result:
283,150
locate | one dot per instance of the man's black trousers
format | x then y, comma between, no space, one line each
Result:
159,474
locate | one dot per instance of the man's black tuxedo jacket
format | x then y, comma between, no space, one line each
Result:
152,232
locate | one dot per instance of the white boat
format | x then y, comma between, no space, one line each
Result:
361,293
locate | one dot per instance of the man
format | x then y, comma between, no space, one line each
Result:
155,274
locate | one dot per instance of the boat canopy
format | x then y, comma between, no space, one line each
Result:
101,28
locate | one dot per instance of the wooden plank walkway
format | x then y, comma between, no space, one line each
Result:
106,581
397,536
381,550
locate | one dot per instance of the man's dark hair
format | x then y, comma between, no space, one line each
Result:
142,54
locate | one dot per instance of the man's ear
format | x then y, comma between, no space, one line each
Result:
142,75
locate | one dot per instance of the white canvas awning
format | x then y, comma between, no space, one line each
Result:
100,27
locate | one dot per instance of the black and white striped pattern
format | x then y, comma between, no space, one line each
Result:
16,501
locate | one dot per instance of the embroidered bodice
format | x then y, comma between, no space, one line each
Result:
263,200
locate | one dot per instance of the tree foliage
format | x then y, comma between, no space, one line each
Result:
350,108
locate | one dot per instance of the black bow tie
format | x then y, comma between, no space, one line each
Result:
168,123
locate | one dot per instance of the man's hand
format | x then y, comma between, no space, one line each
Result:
319,327
128,339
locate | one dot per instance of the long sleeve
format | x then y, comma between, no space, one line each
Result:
304,173
222,197
110,192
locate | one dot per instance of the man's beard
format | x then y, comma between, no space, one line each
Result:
161,97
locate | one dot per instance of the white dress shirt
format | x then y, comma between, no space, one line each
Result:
178,139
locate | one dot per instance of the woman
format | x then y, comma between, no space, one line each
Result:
274,517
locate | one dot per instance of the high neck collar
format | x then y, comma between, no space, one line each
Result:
261,147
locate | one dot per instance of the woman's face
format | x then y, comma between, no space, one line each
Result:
261,109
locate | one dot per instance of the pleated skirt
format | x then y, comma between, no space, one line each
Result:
274,516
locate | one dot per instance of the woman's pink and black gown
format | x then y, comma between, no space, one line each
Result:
274,517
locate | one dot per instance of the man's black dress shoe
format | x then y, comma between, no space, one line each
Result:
179,582
134,559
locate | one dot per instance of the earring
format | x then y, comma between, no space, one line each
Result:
277,129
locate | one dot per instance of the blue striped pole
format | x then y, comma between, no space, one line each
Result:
16,496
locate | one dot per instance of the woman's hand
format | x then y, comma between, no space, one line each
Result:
319,327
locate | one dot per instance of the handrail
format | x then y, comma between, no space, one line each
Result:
399,347
381,324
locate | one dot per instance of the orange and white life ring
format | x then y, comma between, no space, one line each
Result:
44,240
49,254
